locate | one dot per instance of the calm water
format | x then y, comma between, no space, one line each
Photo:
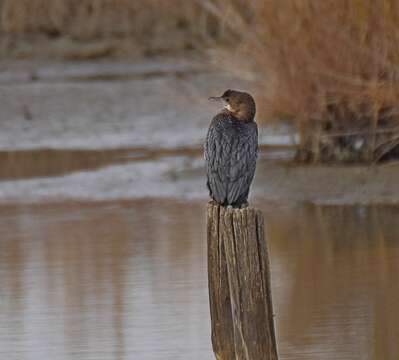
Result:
128,281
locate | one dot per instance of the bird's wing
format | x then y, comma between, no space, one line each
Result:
218,147
230,152
242,163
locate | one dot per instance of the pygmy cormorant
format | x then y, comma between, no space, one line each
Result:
231,149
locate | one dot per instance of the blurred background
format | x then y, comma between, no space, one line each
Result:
104,112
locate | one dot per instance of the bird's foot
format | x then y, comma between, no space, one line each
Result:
244,205
213,202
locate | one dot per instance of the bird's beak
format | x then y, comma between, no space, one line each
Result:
215,98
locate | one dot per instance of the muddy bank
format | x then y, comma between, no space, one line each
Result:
92,176
328,184
159,102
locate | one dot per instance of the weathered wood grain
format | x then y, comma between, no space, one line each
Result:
219,296
239,285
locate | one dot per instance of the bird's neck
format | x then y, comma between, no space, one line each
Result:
244,116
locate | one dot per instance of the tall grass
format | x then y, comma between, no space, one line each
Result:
96,18
329,66
171,25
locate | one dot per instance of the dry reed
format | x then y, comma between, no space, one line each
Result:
167,25
97,18
330,67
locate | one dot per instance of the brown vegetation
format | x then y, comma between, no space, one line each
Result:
97,18
152,25
331,67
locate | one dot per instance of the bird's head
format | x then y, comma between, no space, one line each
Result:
238,103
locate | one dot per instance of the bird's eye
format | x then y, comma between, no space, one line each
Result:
227,99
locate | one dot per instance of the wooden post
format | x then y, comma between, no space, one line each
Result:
239,285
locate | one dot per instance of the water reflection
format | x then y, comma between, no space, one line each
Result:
335,272
103,283
128,281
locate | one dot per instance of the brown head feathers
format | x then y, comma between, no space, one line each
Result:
240,104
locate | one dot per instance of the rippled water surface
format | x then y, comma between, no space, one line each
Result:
127,280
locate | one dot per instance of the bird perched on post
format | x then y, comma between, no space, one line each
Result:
231,149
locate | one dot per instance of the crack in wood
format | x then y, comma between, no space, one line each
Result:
239,285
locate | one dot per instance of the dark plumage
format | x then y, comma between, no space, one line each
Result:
231,149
